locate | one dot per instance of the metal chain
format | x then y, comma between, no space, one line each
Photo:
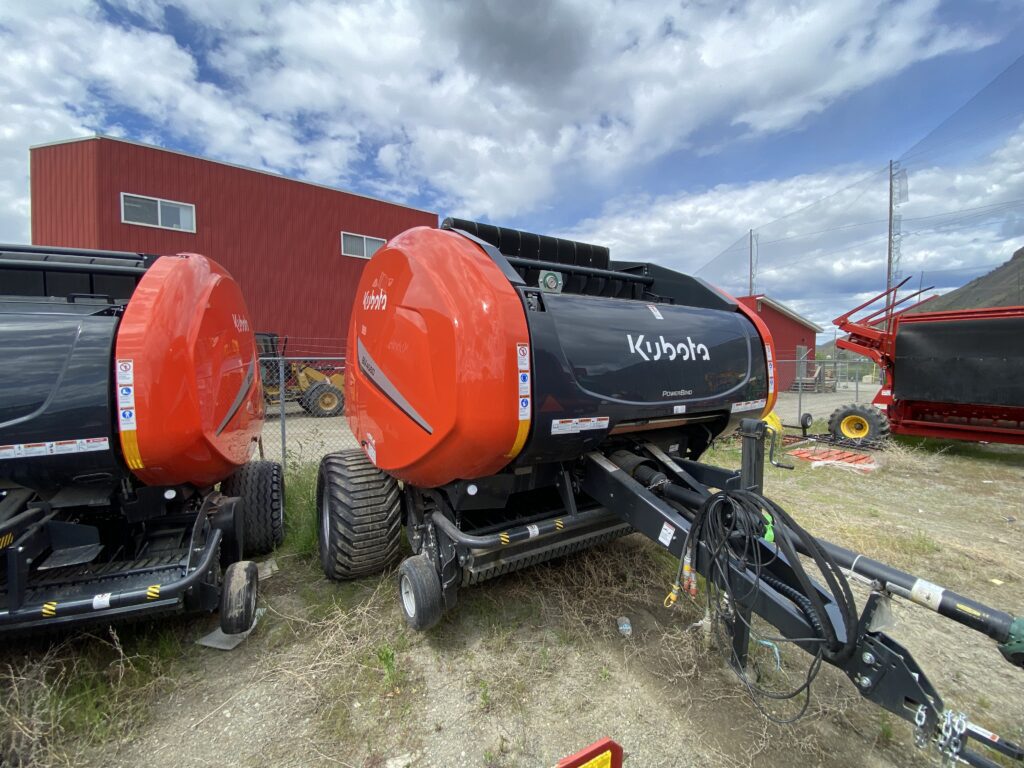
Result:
920,719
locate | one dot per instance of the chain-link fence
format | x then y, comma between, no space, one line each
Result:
818,387
305,409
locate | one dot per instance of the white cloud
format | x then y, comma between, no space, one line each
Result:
830,243
489,105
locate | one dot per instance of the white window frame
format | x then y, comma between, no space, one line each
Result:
341,242
159,200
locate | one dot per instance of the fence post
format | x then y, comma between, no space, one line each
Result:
280,400
856,386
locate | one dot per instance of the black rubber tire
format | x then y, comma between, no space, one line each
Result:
419,593
311,400
359,519
260,486
238,597
877,423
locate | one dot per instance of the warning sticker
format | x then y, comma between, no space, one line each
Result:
573,426
126,396
126,419
371,448
749,405
99,602
524,408
53,448
678,409
533,531
655,311
523,356
125,372
667,532
524,383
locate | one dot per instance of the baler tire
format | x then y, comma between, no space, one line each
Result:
260,486
359,516
858,422
238,597
419,593
323,400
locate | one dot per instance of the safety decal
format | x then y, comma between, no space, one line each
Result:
678,409
559,525
101,601
524,408
505,539
53,447
125,376
667,532
575,426
523,399
370,446
749,405
925,593
153,592
524,383
532,531
6,540
523,356
49,610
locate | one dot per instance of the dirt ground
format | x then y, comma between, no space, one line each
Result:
531,667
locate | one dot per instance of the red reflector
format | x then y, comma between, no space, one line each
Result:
601,754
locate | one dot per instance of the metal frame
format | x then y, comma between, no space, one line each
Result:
658,495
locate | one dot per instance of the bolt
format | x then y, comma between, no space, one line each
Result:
868,658
864,682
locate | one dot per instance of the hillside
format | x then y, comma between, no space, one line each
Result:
1002,287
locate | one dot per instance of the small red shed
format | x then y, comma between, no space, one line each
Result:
794,335
296,248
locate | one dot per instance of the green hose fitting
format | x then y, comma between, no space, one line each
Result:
769,527
1013,648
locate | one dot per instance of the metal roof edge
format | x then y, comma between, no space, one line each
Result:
784,310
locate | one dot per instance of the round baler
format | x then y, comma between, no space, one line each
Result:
518,398
486,363
121,409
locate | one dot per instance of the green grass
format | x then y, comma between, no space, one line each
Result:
300,511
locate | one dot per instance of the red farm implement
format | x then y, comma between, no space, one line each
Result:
952,375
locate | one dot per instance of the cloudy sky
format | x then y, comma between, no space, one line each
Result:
665,131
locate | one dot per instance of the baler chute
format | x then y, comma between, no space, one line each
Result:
129,390
518,398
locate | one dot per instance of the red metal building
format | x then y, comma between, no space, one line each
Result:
794,336
297,249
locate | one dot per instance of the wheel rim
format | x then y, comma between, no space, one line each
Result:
854,426
408,598
328,401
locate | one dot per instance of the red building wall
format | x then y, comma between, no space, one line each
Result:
787,334
280,238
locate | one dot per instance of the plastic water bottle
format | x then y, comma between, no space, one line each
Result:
625,628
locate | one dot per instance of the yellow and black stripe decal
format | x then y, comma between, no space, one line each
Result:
49,610
504,537
130,445
6,540
559,525
153,592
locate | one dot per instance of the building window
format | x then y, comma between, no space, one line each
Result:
154,212
360,246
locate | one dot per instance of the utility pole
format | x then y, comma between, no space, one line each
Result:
888,271
750,271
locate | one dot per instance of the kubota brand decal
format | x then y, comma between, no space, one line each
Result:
656,350
376,298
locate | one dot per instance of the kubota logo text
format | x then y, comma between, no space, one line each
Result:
656,350
375,300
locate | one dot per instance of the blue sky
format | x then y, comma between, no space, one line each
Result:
664,130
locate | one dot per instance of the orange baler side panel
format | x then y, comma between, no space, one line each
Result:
432,385
190,404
